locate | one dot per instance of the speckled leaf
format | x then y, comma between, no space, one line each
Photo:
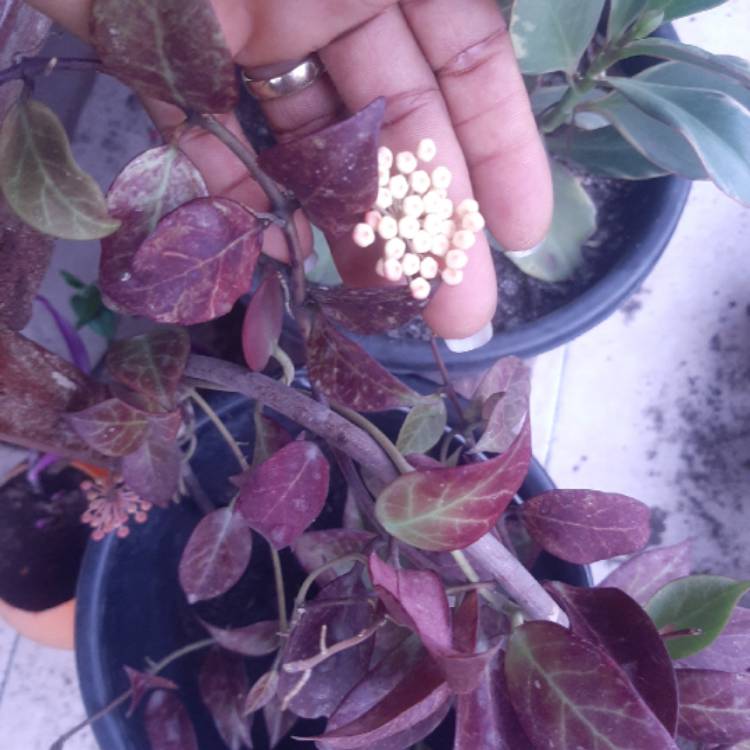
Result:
423,427
152,185
111,427
259,639
367,311
645,573
285,494
567,692
609,618
278,722
704,603
142,683
261,327
714,706
270,437
262,692
730,652
447,509
583,526
334,172
172,50
151,364
197,262
216,555
41,181
168,724
223,686
347,374
316,548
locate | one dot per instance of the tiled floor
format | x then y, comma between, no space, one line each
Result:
654,403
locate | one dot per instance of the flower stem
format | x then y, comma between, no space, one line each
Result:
32,67
286,364
278,579
221,427
449,389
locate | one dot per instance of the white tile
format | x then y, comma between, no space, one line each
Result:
7,646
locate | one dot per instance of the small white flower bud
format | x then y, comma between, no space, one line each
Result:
427,150
463,239
385,158
406,162
412,205
392,269
473,222
410,264
395,248
388,227
456,259
420,181
431,202
433,224
363,235
449,228
422,242
428,268
373,218
384,177
440,245
408,227
442,178
379,267
399,187
452,276
385,199
446,208
467,206
420,288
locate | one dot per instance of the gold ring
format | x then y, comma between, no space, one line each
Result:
297,79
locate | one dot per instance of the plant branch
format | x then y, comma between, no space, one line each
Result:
299,601
449,389
221,427
32,67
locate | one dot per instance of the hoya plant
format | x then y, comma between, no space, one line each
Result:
418,601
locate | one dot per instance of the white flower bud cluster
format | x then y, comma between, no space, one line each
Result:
425,237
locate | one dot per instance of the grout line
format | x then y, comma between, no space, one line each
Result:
556,411
9,667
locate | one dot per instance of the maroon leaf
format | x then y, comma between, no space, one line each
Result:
316,548
347,374
111,427
567,692
258,639
485,719
333,172
714,706
583,526
197,262
262,692
286,493
151,364
448,509
172,50
262,325
367,311
141,683
609,618
270,437
466,623
168,724
645,573
730,652
152,185
223,686
153,469
278,722
216,555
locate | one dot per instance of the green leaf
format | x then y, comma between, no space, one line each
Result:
72,280
87,305
573,222
423,427
547,40
41,181
679,8
622,14
715,125
324,270
105,324
703,603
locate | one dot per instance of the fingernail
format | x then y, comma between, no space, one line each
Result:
525,253
480,338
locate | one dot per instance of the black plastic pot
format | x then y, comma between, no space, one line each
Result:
130,605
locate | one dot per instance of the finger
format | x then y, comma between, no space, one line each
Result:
477,71
381,57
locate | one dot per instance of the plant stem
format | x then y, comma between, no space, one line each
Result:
32,67
278,579
286,364
175,655
449,389
221,427
315,574
360,492
466,567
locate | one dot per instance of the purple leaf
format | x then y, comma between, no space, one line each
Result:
485,719
153,470
423,427
645,573
583,526
278,722
714,706
347,374
216,555
611,619
152,185
261,327
316,548
367,311
197,262
569,693
142,683
79,356
730,652
172,50
258,639
286,493
262,692
223,685
333,172
464,671
151,364
270,437
111,427
168,724
466,623
448,509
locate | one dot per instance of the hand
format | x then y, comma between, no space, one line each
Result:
447,71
